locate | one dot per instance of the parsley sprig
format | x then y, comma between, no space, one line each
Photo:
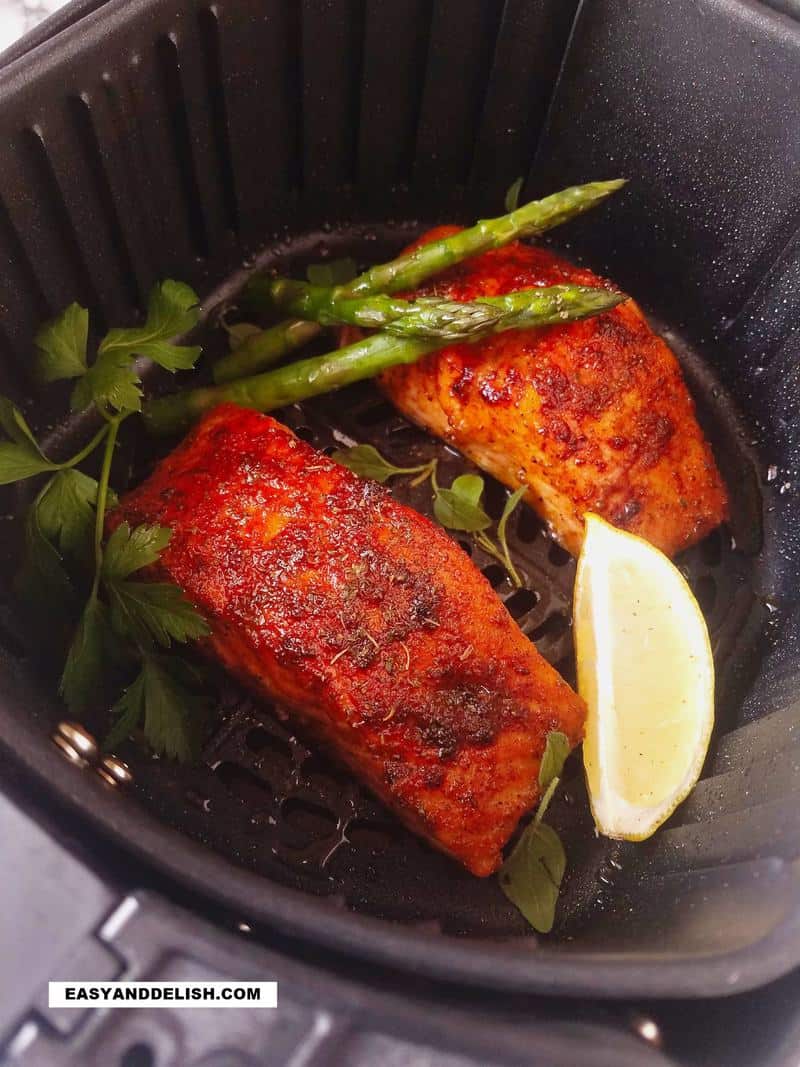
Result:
124,625
458,507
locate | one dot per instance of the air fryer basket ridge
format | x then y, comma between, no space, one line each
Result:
174,139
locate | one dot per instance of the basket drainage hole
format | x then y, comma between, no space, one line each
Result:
138,1055
557,555
467,546
309,819
521,602
371,836
553,626
321,775
529,525
495,497
306,433
244,785
274,750
494,574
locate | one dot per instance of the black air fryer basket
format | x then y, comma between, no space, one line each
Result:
194,140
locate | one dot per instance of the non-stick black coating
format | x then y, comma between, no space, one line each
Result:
174,139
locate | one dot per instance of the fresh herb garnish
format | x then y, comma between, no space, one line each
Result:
511,200
61,345
332,272
123,622
167,699
172,310
238,332
531,876
367,462
502,524
458,507
145,612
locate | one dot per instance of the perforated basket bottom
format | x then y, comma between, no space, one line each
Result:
266,800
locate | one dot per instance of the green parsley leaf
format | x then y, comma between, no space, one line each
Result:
21,461
82,680
42,578
333,272
127,713
175,708
16,428
172,310
111,382
129,550
147,611
66,513
556,751
20,457
531,876
167,697
511,201
62,343
459,507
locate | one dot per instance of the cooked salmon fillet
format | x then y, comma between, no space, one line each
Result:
590,416
365,621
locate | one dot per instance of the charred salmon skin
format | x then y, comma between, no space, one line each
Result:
590,416
365,621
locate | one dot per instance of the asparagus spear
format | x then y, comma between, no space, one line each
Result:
410,270
366,358
425,317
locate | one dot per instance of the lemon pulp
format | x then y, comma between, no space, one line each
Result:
646,672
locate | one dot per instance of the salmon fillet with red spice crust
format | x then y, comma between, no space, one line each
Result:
365,621
591,415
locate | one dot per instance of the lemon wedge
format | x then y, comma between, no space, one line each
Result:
646,672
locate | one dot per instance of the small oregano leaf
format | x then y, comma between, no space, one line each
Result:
531,876
556,751
333,272
240,332
459,507
367,462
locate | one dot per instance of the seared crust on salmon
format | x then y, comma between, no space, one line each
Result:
365,621
591,416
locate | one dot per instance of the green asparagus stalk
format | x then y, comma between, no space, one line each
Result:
423,318
366,358
410,270
265,348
